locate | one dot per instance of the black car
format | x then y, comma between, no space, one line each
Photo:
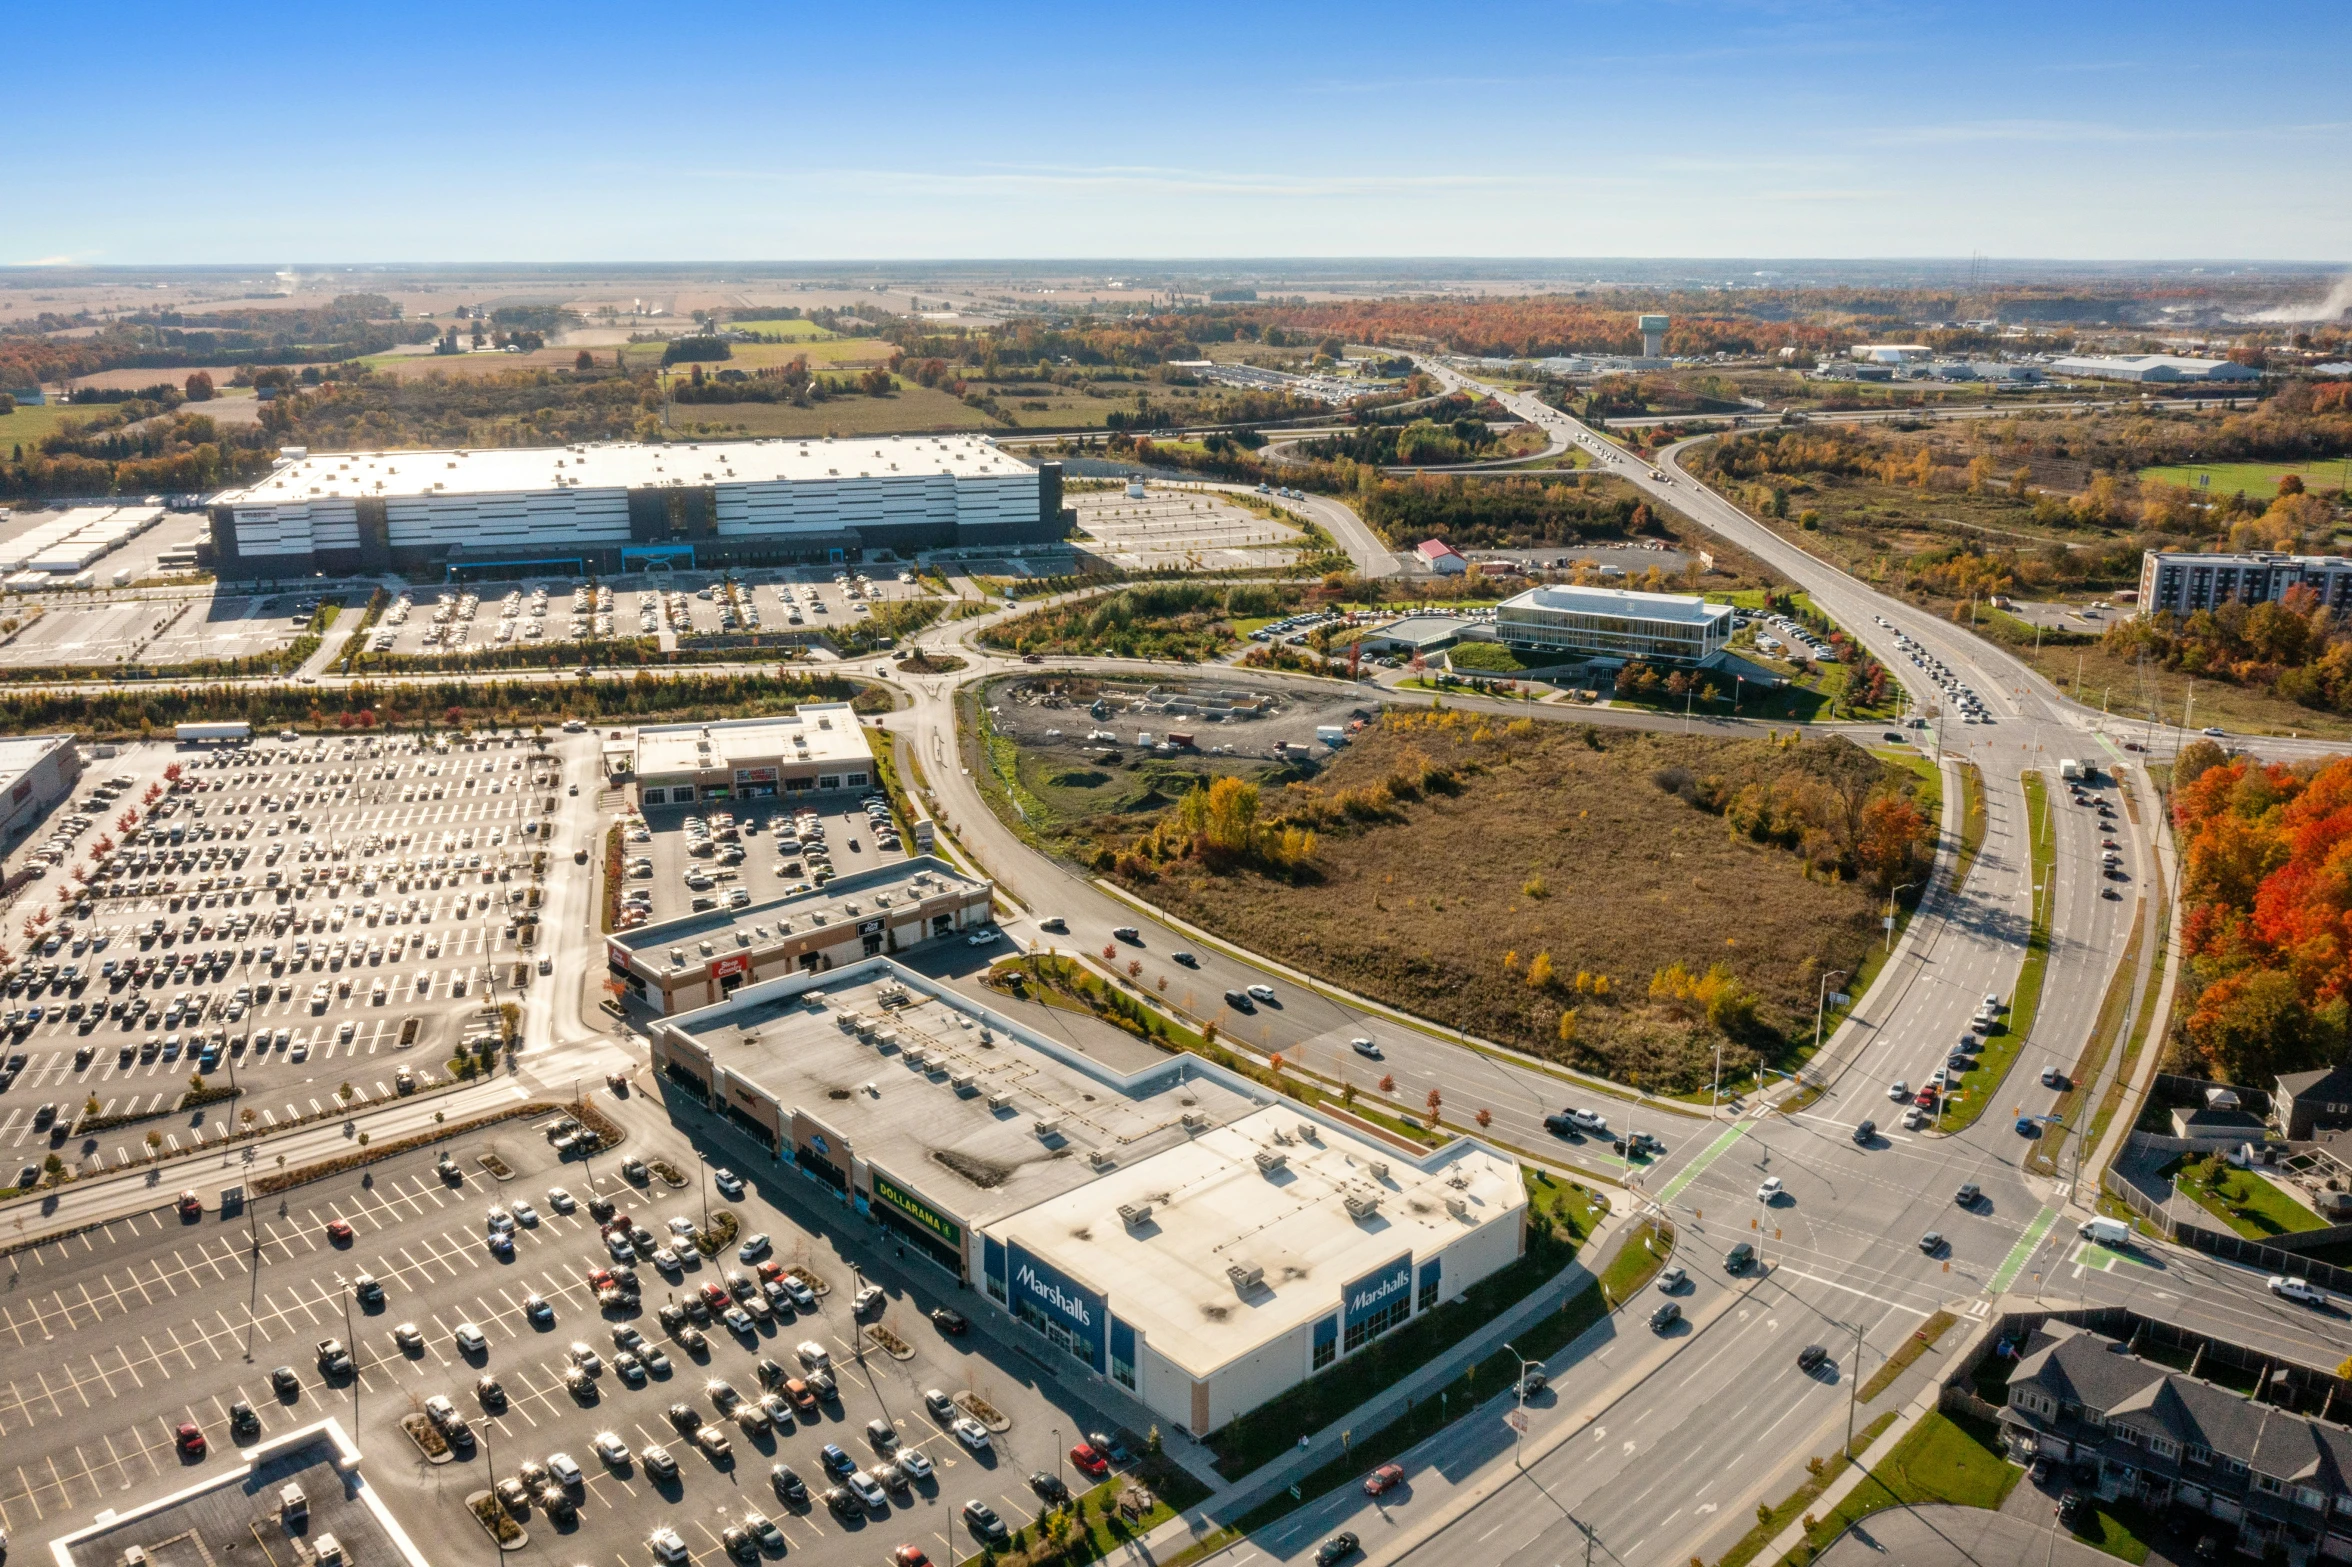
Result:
1560,1126
284,1382
1338,1548
2072,1511
844,1505
600,1209
1185,958
1239,1001
1665,1317
1049,1485
789,1485
950,1320
242,1420
1812,1358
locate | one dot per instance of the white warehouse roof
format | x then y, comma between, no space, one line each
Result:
623,465
1621,602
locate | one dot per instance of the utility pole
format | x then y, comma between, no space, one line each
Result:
1821,1006
1853,1391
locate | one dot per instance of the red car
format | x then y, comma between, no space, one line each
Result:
1385,1478
717,1296
1091,1461
339,1232
191,1441
909,1556
1926,1098
771,1269
600,1278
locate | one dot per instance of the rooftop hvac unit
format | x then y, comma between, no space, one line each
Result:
1379,1169
1100,1158
920,1060
1306,1131
1271,1159
1196,1120
1362,1207
849,908
999,1101
1135,1213
1457,1207
1047,1126
962,1082
1245,1276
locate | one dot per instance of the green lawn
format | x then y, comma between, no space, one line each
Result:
1978,1083
2247,1203
1941,1460
27,425
2257,480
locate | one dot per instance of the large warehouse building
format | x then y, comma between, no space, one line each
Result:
1192,1238
36,772
624,506
682,964
1614,623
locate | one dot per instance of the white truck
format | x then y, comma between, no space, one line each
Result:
2111,1233
2069,768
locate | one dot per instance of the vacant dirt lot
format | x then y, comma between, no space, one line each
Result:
1540,840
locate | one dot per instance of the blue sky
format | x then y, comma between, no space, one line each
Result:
594,132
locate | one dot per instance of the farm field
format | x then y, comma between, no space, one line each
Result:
797,327
27,425
2257,481
913,408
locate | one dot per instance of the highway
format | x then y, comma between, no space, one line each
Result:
1674,1469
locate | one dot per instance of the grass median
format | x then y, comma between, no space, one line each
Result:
1981,1081
1941,1460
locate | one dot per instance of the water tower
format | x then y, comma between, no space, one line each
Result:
1653,331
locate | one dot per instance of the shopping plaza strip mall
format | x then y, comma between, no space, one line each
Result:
1186,1233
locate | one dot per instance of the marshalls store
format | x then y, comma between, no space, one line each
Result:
1182,1232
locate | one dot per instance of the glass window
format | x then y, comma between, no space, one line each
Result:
1364,1330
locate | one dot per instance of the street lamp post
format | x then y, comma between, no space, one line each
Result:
1853,1390
1821,1006
1519,1424
1890,921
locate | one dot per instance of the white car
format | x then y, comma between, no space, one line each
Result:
1589,1120
1771,1190
1898,1090
1261,992
666,1545
813,1355
567,1474
981,938
469,1339
612,1449
1365,1047
501,1222
681,1226
2296,1290
914,1464
560,1200
525,1214
971,1433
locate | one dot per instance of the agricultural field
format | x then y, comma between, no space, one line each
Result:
798,328
911,408
27,425
1619,901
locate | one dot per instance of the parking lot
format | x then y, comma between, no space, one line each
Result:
675,607
166,627
766,852
121,1334
1190,529
276,914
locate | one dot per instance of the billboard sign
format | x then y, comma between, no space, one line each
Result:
733,963
745,776
1043,1295
1384,1286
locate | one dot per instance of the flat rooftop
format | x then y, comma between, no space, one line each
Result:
225,1512
842,901
1213,1207
878,1057
819,732
1620,602
20,754
622,465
